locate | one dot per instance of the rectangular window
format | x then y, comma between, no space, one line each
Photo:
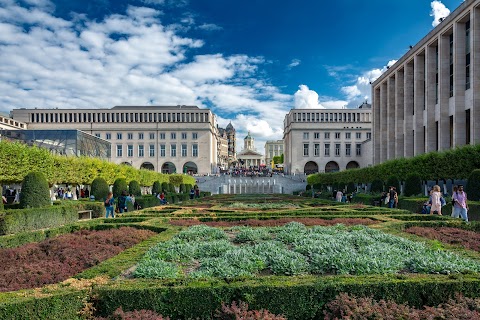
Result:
316,150
451,65
151,150
327,135
451,132
173,150
436,74
97,135
140,136
369,135
316,135
358,149
162,150
358,135
467,126
348,135
194,135
327,149
436,136
467,55
119,136
141,150
129,136
173,136
184,136
195,150
184,150
130,150
337,149
161,135
305,149
151,135
348,148
337,135
305,136
119,150
108,136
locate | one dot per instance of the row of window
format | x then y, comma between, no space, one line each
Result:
326,149
348,135
331,117
119,117
151,135
163,150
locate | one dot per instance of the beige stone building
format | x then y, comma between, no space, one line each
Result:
273,148
7,123
168,139
327,140
429,99
227,155
249,157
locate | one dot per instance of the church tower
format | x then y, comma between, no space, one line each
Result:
249,142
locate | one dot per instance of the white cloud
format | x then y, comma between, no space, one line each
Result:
294,63
209,27
439,12
306,99
128,59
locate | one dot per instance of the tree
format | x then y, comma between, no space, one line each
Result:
473,185
119,186
392,181
164,186
35,191
413,185
100,188
157,187
377,186
134,188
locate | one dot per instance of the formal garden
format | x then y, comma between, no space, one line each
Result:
224,256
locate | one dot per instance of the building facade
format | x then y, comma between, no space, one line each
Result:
7,123
429,99
227,155
327,140
273,148
249,158
167,139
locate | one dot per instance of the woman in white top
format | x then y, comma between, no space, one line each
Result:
436,202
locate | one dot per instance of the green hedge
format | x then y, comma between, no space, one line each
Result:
296,298
63,305
21,220
147,201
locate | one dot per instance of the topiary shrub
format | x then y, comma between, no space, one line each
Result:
118,186
165,187
377,186
35,191
473,185
350,187
413,185
171,187
134,188
100,188
157,187
183,188
392,181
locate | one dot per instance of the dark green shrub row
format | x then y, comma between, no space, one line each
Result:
63,305
451,164
20,220
296,298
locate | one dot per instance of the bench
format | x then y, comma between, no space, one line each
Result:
84,214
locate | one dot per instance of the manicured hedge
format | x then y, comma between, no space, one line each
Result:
296,298
20,220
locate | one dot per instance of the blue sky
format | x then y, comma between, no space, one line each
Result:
249,61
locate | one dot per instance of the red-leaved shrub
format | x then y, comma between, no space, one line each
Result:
352,308
54,260
119,314
465,238
275,222
241,312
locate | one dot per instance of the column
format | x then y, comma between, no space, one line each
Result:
376,137
408,109
419,103
429,121
475,74
390,133
383,119
442,129
458,112
399,112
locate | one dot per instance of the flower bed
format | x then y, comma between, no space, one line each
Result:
465,238
57,259
205,252
276,222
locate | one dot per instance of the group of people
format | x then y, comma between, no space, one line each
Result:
121,202
10,195
342,196
436,201
390,198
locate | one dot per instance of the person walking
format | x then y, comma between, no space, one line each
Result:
392,193
109,204
436,202
454,190
460,204
122,202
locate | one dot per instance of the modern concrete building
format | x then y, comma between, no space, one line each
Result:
273,148
429,99
7,123
327,140
168,139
